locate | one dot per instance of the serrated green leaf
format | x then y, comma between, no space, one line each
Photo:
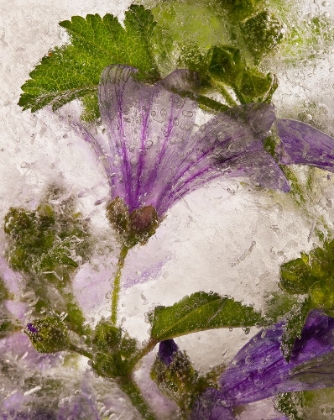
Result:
73,71
198,312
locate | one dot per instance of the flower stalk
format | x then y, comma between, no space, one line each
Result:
117,284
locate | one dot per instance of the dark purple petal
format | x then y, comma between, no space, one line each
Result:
209,406
167,350
303,144
31,328
259,370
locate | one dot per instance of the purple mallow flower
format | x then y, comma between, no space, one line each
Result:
154,151
259,370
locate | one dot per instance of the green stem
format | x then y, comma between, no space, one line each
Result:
81,351
128,386
117,284
143,352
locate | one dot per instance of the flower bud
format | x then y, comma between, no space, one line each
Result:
118,215
48,335
174,374
107,337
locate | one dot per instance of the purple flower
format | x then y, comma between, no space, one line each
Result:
167,351
259,370
154,152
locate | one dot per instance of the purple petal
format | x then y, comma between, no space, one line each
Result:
259,370
11,278
167,350
17,347
303,144
209,407
230,144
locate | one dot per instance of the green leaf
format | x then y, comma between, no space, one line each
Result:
239,9
313,275
295,275
293,328
278,305
198,312
73,71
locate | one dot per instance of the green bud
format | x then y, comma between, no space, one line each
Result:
262,33
19,222
48,335
176,380
107,337
110,365
118,215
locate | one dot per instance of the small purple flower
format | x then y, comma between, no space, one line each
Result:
259,370
167,351
154,152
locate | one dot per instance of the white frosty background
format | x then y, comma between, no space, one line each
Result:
225,238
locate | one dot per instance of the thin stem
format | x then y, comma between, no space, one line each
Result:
117,284
143,352
81,351
128,386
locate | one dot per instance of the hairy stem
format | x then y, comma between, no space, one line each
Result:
81,351
142,352
117,284
128,386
